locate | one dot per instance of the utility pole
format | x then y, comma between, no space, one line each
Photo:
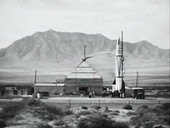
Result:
76,80
136,79
35,77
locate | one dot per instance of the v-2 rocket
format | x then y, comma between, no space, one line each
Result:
119,84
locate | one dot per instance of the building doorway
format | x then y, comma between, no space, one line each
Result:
83,90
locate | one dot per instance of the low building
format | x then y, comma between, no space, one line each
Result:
50,89
83,80
16,89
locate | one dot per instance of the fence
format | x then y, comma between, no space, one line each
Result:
109,102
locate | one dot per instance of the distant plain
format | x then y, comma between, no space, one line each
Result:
145,78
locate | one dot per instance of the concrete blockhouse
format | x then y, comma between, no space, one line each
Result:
83,80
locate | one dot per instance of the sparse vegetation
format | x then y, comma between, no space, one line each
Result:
95,121
130,113
107,109
42,125
11,109
166,106
96,107
148,124
84,107
60,123
32,102
141,110
128,107
2,123
148,117
143,106
85,112
119,125
99,121
32,111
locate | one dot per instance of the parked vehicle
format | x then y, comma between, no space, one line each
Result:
138,93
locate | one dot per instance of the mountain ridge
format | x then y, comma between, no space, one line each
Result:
54,49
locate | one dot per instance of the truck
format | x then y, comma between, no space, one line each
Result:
138,93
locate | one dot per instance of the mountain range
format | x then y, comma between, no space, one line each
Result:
51,50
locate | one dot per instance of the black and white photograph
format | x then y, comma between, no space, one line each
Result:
84,63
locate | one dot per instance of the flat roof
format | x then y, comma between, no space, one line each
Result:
137,88
49,84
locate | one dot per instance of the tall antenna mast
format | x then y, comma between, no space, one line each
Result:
122,47
84,59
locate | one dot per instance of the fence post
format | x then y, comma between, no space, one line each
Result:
10,100
99,103
69,103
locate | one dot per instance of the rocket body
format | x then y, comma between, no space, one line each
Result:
119,59
119,86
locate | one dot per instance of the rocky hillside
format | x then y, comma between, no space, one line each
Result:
54,51
59,49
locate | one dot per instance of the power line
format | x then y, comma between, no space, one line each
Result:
141,82
148,66
163,66
146,79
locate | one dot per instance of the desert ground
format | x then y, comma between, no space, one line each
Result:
84,112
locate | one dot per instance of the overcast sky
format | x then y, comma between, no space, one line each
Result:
139,19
